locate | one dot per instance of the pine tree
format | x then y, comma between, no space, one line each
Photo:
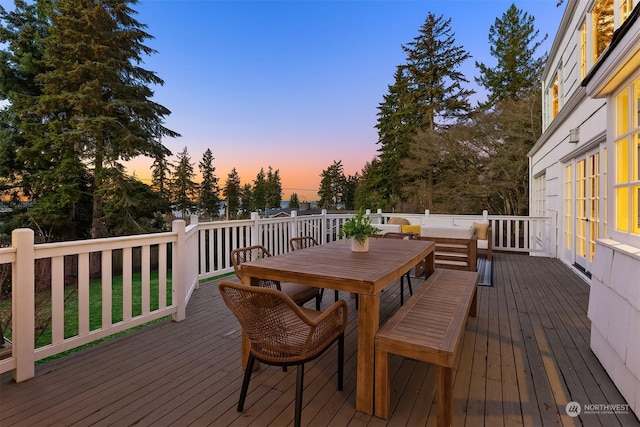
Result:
332,186
184,188
437,88
246,201
513,43
209,201
232,193
258,193
273,194
294,202
435,82
396,126
161,175
95,109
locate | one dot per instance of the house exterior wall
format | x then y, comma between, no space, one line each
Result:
586,100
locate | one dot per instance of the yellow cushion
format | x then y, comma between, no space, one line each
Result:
411,229
398,221
481,230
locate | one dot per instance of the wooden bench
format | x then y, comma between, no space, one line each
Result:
428,327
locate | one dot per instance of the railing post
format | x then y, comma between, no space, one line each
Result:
179,283
23,311
293,230
325,227
255,229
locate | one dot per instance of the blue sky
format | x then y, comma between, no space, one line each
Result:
295,84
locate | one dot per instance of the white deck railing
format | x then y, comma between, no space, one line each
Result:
182,258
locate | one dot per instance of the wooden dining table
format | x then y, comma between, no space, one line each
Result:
335,266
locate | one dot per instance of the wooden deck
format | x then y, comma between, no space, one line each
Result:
524,358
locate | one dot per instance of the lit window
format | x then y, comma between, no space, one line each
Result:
626,6
603,26
583,50
555,97
627,160
568,203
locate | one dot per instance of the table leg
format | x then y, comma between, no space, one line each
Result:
368,324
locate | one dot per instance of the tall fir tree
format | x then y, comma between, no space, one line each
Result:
396,125
232,193
294,201
436,84
513,41
161,175
258,193
94,110
273,194
332,185
184,188
209,201
246,201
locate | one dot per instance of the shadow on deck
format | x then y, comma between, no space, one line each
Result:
524,358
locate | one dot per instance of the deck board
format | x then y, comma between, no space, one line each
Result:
523,358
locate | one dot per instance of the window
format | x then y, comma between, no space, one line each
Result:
583,50
627,159
555,97
626,6
603,26
568,204
594,202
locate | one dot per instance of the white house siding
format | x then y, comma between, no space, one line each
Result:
588,104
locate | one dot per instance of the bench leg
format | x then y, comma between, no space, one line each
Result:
444,396
473,310
382,397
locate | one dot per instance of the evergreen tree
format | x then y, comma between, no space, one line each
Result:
259,193
94,110
294,202
331,186
396,125
435,81
161,175
513,42
349,191
437,88
273,194
184,188
246,201
209,201
232,192
368,194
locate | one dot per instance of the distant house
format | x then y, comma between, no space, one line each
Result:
585,171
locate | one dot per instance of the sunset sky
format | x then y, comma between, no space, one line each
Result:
295,84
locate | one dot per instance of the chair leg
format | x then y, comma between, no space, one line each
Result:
337,295
299,387
402,290
319,300
409,282
340,361
245,382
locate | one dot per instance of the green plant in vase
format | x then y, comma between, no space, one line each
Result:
358,227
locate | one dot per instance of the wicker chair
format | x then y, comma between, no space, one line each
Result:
297,243
300,294
282,333
408,236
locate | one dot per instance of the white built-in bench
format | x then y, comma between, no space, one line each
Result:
443,227
429,327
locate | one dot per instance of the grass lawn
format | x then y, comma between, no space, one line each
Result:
43,302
